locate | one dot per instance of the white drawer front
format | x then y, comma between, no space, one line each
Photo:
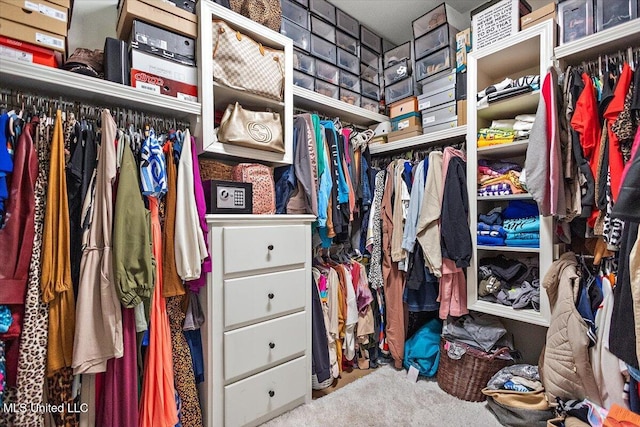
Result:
253,248
257,298
254,347
257,396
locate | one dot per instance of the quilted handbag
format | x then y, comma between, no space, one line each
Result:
264,191
252,129
244,64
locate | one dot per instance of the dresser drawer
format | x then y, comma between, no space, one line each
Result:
263,345
267,392
257,298
254,248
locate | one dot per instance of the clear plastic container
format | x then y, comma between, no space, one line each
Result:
398,53
349,97
436,39
395,73
430,20
575,19
347,23
398,91
346,42
323,9
320,48
299,35
303,80
323,29
614,12
327,72
349,81
304,62
327,89
370,39
370,104
369,74
348,61
304,3
370,90
295,13
369,58
433,64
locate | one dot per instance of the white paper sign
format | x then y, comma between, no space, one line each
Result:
495,23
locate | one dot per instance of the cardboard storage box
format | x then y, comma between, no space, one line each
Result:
163,43
462,112
38,14
407,105
152,64
441,114
405,121
407,132
539,15
156,14
27,52
163,86
63,3
32,35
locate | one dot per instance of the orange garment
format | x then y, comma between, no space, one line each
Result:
57,289
172,283
331,232
616,162
157,401
621,417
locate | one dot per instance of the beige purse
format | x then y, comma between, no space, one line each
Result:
253,129
242,63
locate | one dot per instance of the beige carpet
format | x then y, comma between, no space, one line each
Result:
386,398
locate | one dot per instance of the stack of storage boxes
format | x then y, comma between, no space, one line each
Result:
162,46
435,68
328,56
398,75
34,30
405,119
463,47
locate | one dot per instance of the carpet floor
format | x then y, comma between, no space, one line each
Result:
387,398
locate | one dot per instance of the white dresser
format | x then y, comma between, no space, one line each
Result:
257,333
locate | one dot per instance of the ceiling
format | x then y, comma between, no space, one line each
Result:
392,18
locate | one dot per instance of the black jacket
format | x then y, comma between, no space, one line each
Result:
627,207
454,224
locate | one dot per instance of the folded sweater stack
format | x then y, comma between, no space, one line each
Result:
507,89
499,178
506,131
518,225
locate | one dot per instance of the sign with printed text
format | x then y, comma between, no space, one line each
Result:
495,23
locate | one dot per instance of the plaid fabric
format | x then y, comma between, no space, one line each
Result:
242,63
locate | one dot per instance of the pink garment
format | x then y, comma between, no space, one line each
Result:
453,290
196,284
118,405
557,198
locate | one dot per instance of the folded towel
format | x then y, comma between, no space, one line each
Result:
518,243
522,225
526,118
523,236
490,241
503,124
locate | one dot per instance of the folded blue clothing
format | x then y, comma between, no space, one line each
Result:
522,225
490,241
523,236
520,209
486,227
490,233
520,243
494,216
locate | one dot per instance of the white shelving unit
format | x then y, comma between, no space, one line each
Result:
448,135
525,53
610,40
315,102
215,96
41,79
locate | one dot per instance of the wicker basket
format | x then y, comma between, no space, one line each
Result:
466,377
215,169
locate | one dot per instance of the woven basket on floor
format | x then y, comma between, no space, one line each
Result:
466,377
215,169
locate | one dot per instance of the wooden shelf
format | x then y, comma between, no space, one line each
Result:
225,95
457,133
508,249
513,149
511,107
608,41
40,79
524,315
523,196
315,102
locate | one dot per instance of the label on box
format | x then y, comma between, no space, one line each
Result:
495,23
50,41
430,119
424,105
148,87
8,52
403,124
46,10
185,97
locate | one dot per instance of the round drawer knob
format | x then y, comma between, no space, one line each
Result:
270,247
272,345
271,296
272,393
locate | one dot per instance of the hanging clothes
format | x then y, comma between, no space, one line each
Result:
98,312
428,230
172,282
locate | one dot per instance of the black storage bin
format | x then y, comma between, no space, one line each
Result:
299,35
398,53
323,29
347,23
370,39
433,64
369,58
320,48
348,61
346,42
442,36
323,9
295,13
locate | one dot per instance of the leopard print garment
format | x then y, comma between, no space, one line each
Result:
190,413
626,125
59,387
32,360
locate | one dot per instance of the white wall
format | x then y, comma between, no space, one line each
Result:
92,21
